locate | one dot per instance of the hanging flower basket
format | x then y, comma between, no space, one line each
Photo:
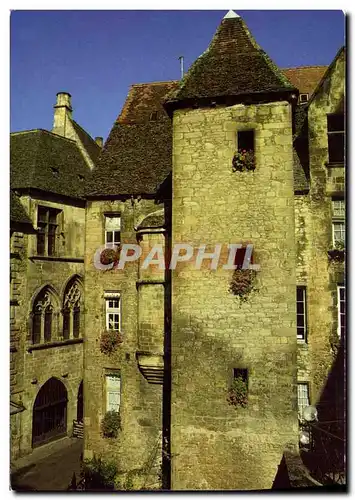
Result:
111,424
238,393
110,255
110,340
337,254
243,160
243,283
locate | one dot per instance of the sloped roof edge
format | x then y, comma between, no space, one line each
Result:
325,76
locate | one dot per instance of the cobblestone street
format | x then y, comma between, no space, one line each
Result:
51,471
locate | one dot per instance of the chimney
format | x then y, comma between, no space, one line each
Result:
62,113
99,141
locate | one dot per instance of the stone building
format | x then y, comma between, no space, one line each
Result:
47,233
171,172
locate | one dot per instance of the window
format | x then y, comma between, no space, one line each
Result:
71,309
48,323
76,321
113,314
338,207
242,373
338,232
112,229
113,392
341,311
301,307
153,116
336,138
303,98
246,140
240,256
302,397
42,317
66,323
47,225
36,325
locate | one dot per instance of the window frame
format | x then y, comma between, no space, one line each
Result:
300,407
333,134
242,132
338,219
302,339
307,97
341,224
339,313
47,228
117,376
111,296
115,240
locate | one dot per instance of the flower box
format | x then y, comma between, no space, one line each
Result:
243,160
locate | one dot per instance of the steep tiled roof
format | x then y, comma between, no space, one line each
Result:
305,78
46,161
92,148
17,211
233,65
137,155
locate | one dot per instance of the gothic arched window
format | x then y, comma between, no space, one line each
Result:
66,322
42,317
71,310
48,323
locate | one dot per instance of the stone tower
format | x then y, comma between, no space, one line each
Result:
233,98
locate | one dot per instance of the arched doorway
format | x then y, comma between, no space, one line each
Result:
50,413
80,404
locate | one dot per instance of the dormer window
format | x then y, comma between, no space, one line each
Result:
303,98
153,116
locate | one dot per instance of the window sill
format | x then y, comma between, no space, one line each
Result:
56,258
334,164
57,343
149,282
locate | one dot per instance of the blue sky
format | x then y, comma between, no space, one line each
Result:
97,55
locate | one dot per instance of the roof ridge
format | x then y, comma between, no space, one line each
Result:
154,83
306,67
31,131
87,133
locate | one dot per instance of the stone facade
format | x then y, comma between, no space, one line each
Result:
212,332
182,335
207,332
138,446
47,284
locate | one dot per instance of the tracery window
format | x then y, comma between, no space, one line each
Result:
42,317
71,310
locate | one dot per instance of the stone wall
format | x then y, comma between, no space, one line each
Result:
59,358
323,276
18,254
214,445
138,445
